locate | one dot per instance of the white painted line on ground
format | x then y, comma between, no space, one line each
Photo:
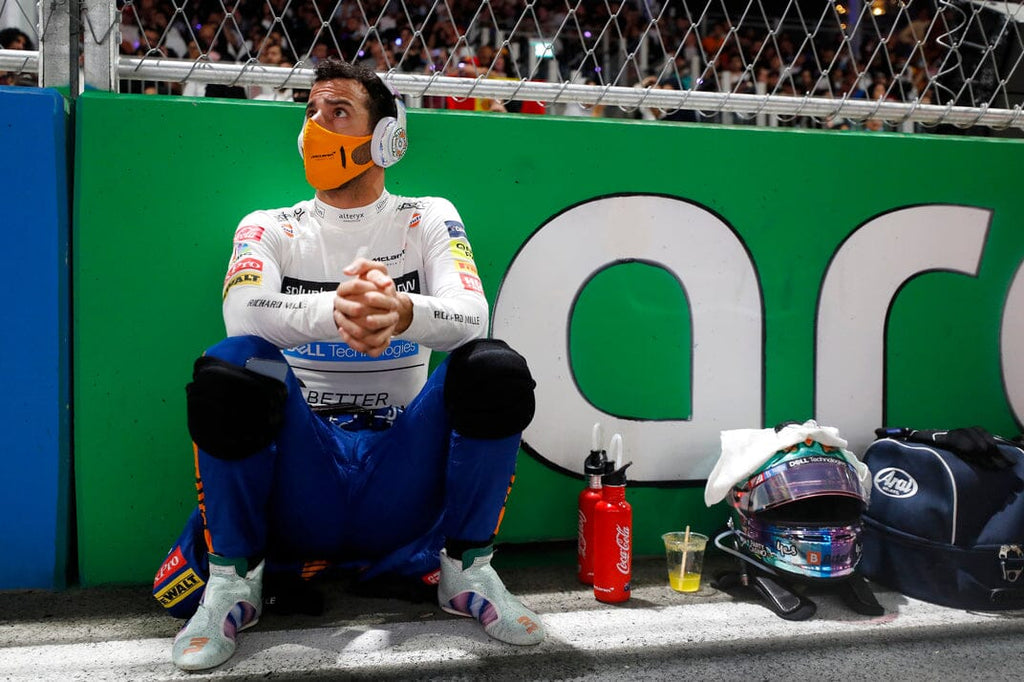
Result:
407,645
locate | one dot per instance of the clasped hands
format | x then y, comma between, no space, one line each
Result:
368,310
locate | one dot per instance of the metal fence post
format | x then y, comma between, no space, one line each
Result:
102,42
55,43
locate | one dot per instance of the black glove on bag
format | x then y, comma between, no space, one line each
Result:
973,444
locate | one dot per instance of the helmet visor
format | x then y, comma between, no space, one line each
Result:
801,478
807,550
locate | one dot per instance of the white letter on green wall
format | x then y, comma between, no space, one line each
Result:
534,306
1011,346
859,287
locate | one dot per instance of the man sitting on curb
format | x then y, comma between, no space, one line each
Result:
320,438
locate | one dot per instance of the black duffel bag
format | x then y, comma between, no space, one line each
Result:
945,523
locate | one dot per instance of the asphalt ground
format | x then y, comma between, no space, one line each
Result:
120,633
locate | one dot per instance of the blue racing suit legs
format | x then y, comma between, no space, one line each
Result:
419,468
349,492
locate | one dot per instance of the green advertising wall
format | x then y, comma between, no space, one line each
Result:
162,183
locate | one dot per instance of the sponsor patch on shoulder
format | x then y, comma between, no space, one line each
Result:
249,233
460,249
456,230
472,283
466,266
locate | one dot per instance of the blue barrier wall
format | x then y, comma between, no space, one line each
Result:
34,456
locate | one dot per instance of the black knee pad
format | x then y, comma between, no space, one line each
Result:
489,390
233,412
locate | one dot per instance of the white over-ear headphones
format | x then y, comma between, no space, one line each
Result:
389,138
389,142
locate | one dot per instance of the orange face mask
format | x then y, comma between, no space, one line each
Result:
332,159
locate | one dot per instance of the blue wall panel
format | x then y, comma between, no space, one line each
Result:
34,451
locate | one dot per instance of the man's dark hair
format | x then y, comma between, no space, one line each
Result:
381,99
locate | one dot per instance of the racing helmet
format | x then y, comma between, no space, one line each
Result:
800,513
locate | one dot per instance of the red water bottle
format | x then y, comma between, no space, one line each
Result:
594,466
613,533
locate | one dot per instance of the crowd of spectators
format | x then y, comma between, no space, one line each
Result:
597,43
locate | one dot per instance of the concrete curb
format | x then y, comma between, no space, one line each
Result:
114,634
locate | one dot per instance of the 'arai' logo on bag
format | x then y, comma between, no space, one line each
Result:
895,483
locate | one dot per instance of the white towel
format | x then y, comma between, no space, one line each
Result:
744,451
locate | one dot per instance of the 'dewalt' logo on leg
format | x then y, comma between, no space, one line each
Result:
175,580
188,583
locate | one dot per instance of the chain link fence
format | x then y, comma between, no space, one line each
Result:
944,65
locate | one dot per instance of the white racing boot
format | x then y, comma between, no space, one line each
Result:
471,587
232,602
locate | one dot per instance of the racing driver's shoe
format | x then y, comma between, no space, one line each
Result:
232,602
471,587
